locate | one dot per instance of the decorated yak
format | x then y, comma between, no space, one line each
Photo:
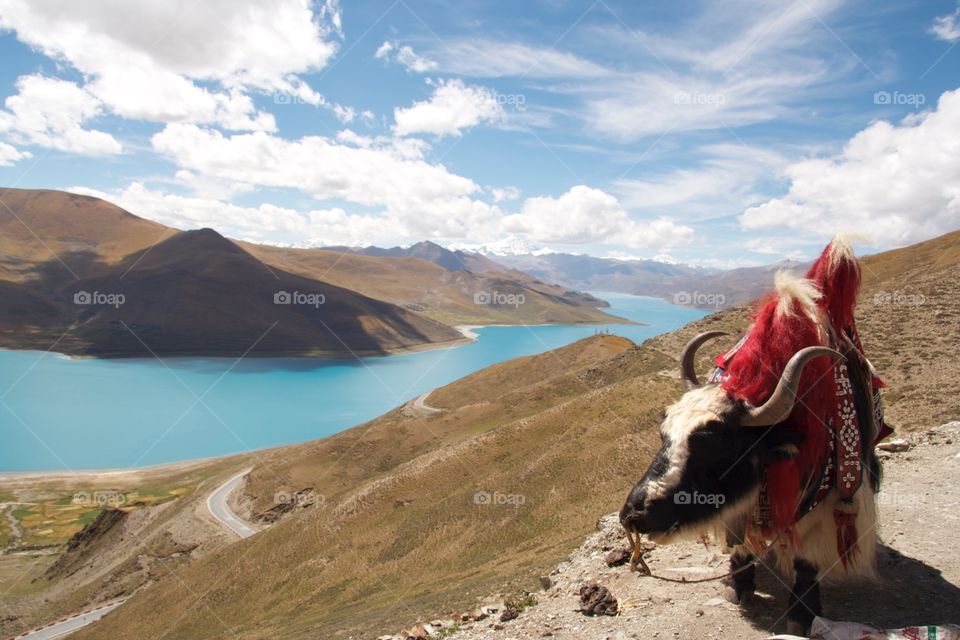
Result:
776,450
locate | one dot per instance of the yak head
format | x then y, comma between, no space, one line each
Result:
709,469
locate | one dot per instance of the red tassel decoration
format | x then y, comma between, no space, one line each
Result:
847,537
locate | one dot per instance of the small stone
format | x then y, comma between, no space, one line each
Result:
418,632
617,557
894,446
509,614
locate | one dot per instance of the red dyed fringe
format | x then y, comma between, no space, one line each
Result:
846,537
773,339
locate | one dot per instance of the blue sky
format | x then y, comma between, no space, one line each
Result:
717,133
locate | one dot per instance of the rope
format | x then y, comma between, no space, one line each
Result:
637,558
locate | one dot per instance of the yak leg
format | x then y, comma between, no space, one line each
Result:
804,599
742,584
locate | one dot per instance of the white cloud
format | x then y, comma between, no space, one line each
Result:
372,172
483,58
264,223
344,114
728,179
893,183
49,112
731,65
454,106
947,27
144,59
584,215
501,194
406,56
10,155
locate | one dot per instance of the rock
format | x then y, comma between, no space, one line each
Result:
418,632
617,557
894,446
509,614
597,600
475,615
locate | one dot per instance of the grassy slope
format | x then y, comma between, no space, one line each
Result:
399,536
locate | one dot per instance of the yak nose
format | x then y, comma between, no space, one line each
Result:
634,510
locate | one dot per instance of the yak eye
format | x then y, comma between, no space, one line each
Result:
708,433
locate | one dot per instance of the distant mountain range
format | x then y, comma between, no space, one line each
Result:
79,275
678,283
452,260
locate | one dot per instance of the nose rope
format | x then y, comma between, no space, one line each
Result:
637,558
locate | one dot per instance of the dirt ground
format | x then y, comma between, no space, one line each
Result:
919,567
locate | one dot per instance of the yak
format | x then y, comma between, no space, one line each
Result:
776,449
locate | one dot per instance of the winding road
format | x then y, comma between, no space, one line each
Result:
420,404
69,624
219,509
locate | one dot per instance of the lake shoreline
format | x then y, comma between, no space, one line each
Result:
102,414
467,331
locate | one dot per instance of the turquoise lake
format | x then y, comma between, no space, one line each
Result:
59,414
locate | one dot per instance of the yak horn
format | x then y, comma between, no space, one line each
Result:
781,402
687,369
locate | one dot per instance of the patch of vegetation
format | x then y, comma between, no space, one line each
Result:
520,602
446,632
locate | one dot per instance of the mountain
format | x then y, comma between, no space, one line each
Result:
452,260
510,245
418,514
88,278
682,284
451,296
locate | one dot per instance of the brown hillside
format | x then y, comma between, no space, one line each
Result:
199,293
418,515
445,295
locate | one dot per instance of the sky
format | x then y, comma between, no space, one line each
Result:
713,133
